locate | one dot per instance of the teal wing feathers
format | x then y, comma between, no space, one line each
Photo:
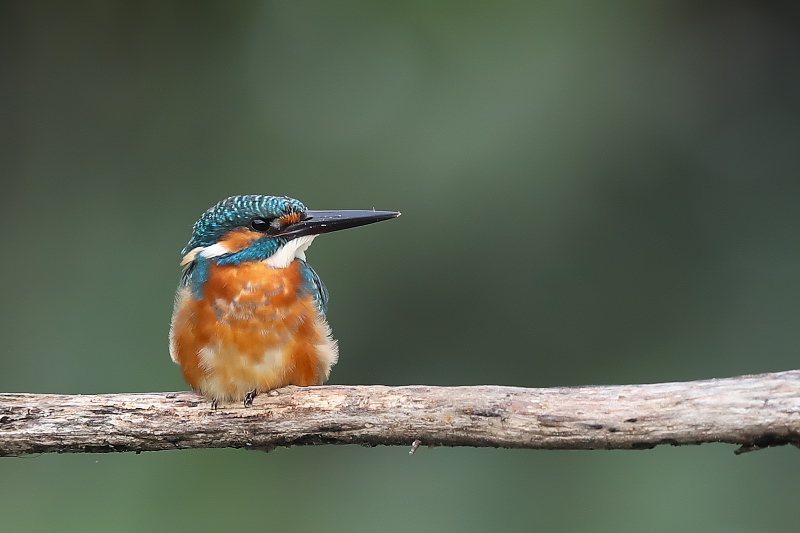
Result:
313,284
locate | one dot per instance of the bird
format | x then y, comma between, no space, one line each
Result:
249,313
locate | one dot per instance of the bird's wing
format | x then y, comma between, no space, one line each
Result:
315,286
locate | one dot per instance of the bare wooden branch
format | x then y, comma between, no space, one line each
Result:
751,411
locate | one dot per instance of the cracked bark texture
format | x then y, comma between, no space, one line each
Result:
753,412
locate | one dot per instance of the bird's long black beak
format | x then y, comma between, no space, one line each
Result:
317,222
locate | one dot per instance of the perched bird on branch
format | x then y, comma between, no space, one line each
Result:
250,312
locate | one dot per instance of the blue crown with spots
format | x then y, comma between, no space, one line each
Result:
236,212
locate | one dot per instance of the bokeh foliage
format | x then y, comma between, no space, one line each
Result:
591,193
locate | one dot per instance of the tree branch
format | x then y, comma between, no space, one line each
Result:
751,411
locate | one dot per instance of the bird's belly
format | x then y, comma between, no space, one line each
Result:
230,374
245,335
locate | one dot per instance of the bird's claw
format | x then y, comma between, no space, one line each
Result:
249,397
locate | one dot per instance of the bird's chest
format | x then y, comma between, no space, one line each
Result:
254,327
254,303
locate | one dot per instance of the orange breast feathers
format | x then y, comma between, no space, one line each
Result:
254,329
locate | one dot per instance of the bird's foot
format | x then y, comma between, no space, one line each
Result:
214,404
249,397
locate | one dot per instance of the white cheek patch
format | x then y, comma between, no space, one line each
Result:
215,250
191,255
294,249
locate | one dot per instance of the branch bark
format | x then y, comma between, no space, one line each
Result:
751,411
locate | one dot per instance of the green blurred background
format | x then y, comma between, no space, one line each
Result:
591,192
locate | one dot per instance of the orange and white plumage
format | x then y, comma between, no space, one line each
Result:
250,312
250,331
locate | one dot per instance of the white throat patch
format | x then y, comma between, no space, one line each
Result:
294,249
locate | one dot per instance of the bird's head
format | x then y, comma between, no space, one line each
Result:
273,229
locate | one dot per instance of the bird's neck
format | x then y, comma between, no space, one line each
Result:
271,252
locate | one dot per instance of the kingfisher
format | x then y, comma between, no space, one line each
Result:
249,312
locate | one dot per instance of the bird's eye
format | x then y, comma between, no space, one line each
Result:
259,224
